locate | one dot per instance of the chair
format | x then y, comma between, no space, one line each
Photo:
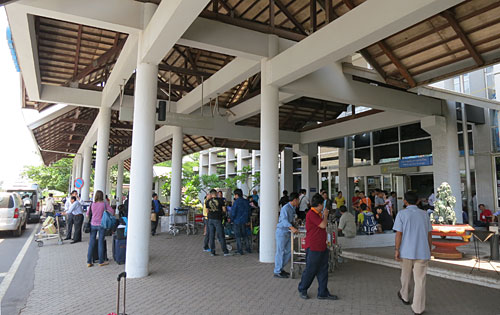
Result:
481,236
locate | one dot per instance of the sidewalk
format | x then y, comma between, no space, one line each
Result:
185,280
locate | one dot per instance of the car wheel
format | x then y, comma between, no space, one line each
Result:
18,232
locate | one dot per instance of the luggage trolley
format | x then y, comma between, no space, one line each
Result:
50,230
298,253
183,219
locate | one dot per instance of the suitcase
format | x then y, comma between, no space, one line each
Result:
95,253
119,250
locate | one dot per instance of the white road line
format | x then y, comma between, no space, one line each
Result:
4,285
3,274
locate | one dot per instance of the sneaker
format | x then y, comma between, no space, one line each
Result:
206,250
280,275
90,265
328,297
303,295
228,254
104,264
285,273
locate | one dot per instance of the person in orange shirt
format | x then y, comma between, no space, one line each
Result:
365,200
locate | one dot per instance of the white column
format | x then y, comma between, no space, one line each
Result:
176,185
255,166
101,163
343,178
269,142
485,178
286,176
73,175
308,163
212,158
229,162
87,170
109,184
119,182
241,162
203,170
141,172
445,155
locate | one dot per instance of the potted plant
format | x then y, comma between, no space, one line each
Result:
444,225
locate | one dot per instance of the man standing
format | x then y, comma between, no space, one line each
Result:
316,251
157,209
69,216
413,249
215,207
283,236
284,199
365,200
49,205
303,204
76,213
205,223
240,216
431,200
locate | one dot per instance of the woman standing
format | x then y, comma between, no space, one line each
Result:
96,211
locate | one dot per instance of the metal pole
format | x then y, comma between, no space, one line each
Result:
467,162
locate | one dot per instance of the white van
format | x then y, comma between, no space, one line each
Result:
31,196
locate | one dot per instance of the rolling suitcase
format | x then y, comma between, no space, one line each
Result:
119,250
120,276
95,252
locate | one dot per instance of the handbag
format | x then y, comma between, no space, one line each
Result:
153,217
108,221
86,226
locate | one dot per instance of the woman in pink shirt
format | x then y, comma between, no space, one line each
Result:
96,211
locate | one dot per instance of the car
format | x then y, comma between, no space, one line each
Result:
31,196
13,215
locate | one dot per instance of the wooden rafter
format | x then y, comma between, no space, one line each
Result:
290,16
77,52
450,17
193,141
313,12
402,69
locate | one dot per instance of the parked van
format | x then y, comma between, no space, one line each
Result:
13,214
31,196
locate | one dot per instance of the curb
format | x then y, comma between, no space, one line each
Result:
433,271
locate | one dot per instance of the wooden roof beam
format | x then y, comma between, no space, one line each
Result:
450,17
196,143
290,16
402,69
179,70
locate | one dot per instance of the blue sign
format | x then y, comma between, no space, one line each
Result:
413,162
78,183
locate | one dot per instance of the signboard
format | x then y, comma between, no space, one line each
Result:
414,162
78,183
395,169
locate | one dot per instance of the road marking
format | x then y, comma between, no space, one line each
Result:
3,274
4,285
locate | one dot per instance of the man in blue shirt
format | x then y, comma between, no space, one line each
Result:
157,209
240,215
413,249
283,230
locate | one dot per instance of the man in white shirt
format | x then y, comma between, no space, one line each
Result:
69,215
431,200
49,205
303,204
76,212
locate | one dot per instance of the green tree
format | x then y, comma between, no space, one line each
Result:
53,177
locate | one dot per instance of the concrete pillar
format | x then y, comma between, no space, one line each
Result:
255,166
230,154
141,172
343,178
73,176
176,184
86,171
119,183
445,155
485,177
212,158
286,175
241,162
109,184
308,161
101,163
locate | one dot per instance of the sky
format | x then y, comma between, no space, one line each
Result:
16,143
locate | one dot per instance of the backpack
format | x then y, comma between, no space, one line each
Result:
369,224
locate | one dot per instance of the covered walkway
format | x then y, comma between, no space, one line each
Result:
185,280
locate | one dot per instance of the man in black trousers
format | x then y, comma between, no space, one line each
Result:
316,251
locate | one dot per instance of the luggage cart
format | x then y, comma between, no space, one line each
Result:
50,230
298,257
191,222
335,251
179,220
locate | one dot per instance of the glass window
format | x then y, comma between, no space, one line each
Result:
362,140
373,183
6,201
386,153
496,139
324,181
362,156
416,148
466,84
456,84
490,83
385,136
461,143
412,131
334,178
359,183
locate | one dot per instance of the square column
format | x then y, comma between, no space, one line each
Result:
485,178
269,146
286,170
242,162
203,168
86,171
230,156
212,158
445,155
309,165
